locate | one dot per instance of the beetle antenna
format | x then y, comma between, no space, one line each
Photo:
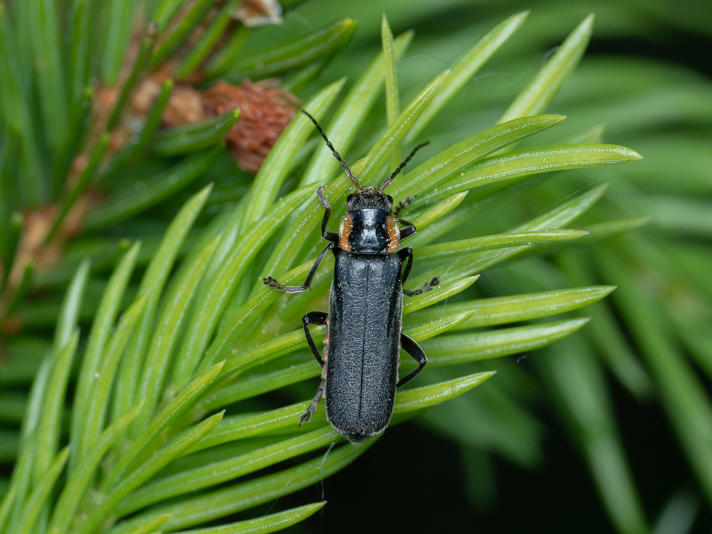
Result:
402,166
334,152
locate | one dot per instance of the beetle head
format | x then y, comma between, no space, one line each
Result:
369,198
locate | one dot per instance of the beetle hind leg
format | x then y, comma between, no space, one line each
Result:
314,403
411,347
323,319
315,318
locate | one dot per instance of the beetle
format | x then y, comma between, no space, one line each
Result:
361,348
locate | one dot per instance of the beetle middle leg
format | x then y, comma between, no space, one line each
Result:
411,347
427,287
406,256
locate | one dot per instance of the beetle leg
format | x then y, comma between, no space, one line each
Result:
402,204
314,318
411,347
427,287
406,255
329,236
314,403
408,230
307,283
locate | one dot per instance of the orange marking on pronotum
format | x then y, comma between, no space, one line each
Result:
345,233
393,234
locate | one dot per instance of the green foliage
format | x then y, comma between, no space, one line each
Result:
169,340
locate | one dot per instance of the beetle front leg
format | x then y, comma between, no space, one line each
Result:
329,236
408,227
408,230
314,403
411,347
314,318
307,283
402,204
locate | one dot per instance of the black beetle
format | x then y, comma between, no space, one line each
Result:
360,359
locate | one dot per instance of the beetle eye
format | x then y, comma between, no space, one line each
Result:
348,198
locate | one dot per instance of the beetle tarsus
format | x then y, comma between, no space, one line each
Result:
427,287
314,404
271,282
402,204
